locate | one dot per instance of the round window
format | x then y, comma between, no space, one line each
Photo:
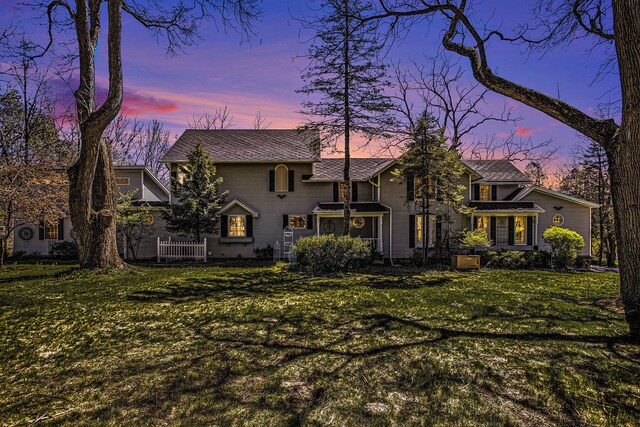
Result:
149,219
558,220
357,222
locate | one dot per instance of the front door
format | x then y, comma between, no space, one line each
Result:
502,232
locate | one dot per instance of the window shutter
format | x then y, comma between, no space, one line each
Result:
492,232
512,230
494,192
529,230
438,228
61,229
476,191
354,191
410,189
285,221
249,221
475,222
412,231
309,222
291,180
336,191
272,180
224,226
41,231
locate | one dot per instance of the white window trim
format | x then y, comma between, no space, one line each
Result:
244,218
297,228
286,179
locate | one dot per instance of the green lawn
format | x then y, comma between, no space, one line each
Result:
257,345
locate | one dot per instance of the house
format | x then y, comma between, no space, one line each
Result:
277,179
139,180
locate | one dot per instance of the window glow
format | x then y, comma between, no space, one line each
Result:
558,220
520,228
237,226
485,192
298,221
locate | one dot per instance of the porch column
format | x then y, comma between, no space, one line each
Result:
317,225
379,235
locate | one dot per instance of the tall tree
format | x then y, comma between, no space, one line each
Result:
433,171
197,199
561,22
345,83
92,190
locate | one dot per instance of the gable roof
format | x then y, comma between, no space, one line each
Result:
361,169
147,172
243,205
497,171
557,194
236,145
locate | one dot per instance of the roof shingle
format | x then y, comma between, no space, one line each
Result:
497,171
361,169
234,145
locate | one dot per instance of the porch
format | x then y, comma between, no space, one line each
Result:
367,221
509,225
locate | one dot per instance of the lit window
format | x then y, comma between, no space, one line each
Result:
149,219
417,187
282,179
558,220
342,190
419,230
123,181
50,231
485,192
520,228
483,223
237,226
298,221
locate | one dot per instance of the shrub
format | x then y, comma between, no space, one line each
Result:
584,261
264,253
565,245
476,239
329,253
516,260
64,250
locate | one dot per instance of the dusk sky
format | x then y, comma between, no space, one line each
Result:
263,74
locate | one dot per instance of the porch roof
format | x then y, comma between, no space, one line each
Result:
356,207
505,206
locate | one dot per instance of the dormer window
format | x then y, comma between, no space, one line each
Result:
485,192
282,179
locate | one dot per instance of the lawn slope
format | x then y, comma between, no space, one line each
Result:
257,345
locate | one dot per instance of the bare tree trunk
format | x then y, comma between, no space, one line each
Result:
92,190
624,157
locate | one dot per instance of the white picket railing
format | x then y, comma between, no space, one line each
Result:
182,250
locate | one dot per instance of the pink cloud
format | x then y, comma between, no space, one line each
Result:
502,134
524,131
134,102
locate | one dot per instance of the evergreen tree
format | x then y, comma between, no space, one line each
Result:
197,201
345,82
435,172
589,179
